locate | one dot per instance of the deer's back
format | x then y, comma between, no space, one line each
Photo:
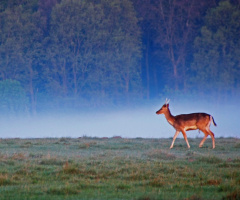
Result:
192,121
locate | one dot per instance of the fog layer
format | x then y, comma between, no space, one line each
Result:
140,121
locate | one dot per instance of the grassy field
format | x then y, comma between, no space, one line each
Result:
118,168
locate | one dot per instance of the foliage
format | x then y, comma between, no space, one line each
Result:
134,169
80,49
92,50
216,58
90,53
169,29
20,45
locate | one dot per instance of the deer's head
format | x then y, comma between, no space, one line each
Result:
164,108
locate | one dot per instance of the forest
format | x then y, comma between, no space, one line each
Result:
76,54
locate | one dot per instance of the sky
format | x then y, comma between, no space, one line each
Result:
138,122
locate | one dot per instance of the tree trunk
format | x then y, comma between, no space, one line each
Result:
64,78
75,79
147,66
31,90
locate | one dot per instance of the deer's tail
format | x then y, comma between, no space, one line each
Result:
214,123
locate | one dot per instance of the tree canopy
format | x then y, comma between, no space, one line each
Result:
216,64
89,53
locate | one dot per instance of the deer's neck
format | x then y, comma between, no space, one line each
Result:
170,118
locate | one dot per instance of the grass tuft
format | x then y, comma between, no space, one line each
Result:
70,168
210,159
63,190
237,146
86,145
160,154
235,195
146,198
52,161
26,145
194,197
214,182
4,180
19,156
123,187
157,182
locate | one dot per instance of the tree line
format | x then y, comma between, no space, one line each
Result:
73,53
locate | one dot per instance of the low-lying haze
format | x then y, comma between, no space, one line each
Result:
140,121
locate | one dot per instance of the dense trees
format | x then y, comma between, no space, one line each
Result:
78,53
217,53
94,49
21,38
170,28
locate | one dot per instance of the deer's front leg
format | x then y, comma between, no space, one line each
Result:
185,137
174,138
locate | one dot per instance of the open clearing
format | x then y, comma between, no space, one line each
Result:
118,168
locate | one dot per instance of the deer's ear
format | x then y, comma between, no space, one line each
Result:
168,105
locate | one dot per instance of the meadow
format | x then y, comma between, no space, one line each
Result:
119,168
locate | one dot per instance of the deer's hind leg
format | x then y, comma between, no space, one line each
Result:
213,139
207,132
210,132
203,140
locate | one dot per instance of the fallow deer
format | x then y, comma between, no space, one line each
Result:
186,122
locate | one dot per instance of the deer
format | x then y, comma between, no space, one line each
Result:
186,122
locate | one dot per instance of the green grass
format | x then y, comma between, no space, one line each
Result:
116,168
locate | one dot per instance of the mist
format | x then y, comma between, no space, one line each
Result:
127,122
